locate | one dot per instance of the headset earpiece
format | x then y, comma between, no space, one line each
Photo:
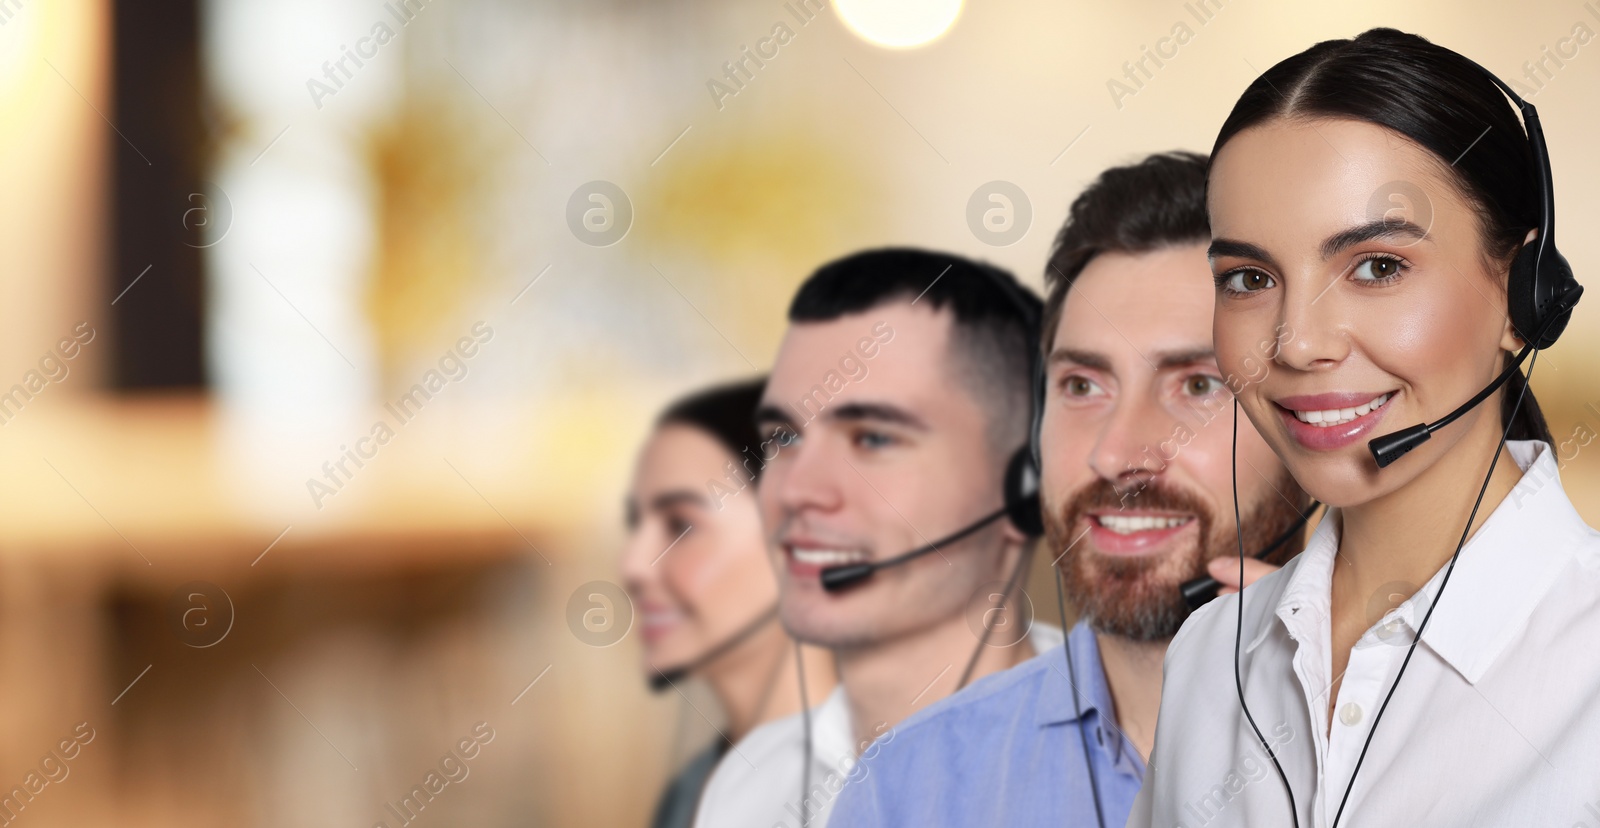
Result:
1541,286
1023,475
1022,484
1022,494
1541,289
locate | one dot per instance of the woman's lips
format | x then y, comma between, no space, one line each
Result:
1330,437
657,623
1110,541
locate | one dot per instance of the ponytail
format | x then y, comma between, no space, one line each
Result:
1528,421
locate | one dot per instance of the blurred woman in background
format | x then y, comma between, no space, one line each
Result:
696,568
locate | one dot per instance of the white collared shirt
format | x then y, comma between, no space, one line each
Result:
757,783
1496,723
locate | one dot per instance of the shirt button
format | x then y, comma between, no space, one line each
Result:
1350,714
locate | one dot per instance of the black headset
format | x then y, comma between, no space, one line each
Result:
1026,509
1023,473
1025,470
1202,590
1541,293
1021,482
1023,507
1540,290
674,674
1020,489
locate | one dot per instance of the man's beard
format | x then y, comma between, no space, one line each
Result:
1137,598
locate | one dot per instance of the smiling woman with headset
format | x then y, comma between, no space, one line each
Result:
1429,658
695,567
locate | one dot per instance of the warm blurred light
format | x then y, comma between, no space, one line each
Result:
27,84
898,24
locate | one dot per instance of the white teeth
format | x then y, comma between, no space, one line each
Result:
827,557
1340,416
655,619
1126,525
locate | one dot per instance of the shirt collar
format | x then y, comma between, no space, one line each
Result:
1505,569
831,733
1502,573
1055,703
1305,598
1094,704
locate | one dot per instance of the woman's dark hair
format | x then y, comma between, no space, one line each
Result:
1442,102
727,413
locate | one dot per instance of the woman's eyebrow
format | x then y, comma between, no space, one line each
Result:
667,500
1379,230
1238,250
1372,231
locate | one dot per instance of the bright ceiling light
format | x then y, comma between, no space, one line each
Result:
898,24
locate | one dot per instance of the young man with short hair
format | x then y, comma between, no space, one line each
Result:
902,390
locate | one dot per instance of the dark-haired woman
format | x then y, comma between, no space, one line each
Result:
696,569
1370,195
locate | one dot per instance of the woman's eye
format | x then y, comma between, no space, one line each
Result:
1246,281
676,525
1201,385
1378,269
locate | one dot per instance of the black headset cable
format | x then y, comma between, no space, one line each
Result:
1077,708
1510,420
1238,629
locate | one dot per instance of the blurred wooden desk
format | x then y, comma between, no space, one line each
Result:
107,505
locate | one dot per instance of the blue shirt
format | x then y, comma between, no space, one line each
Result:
1005,751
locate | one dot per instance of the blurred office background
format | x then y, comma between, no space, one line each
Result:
234,234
